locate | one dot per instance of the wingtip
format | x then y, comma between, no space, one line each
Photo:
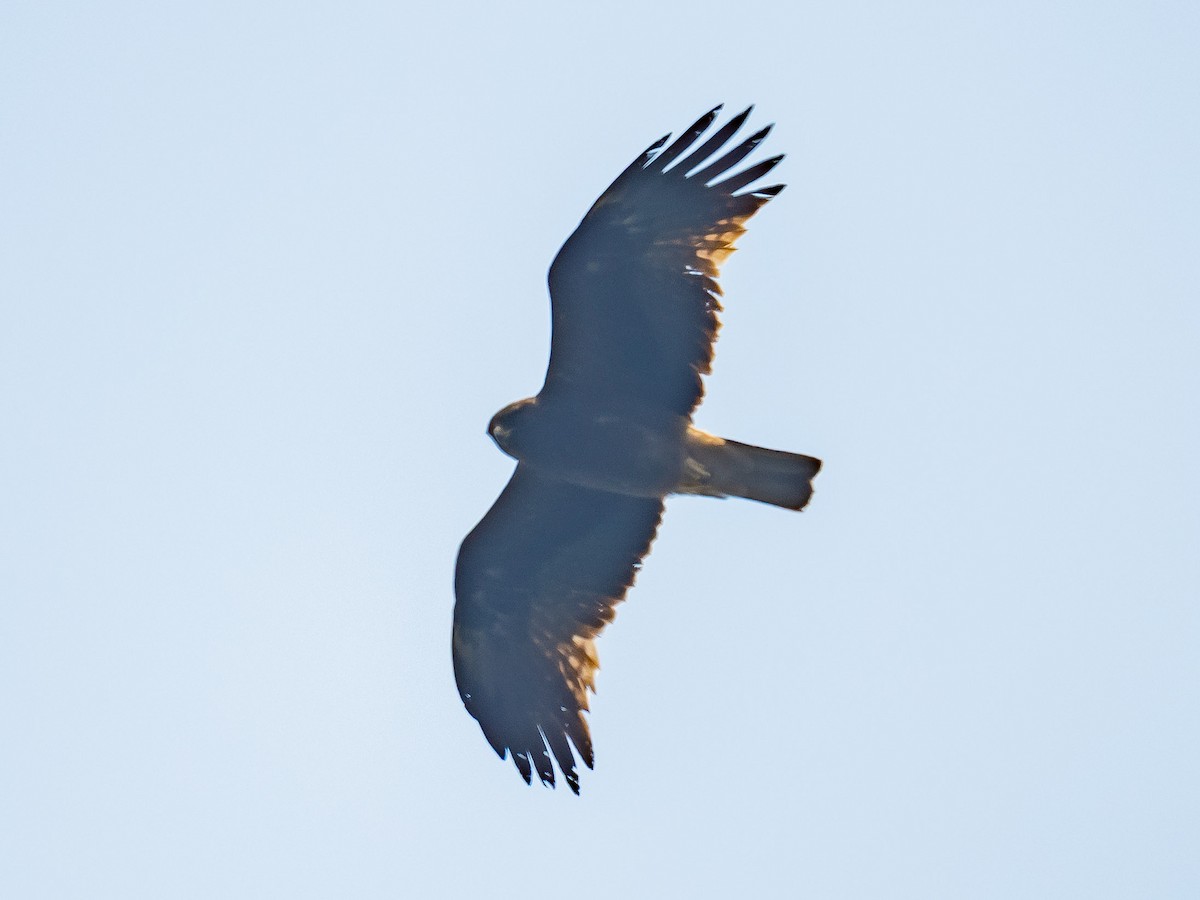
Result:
521,761
747,177
662,140
705,121
759,136
571,777
650,152
686,139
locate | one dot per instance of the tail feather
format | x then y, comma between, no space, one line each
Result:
722,468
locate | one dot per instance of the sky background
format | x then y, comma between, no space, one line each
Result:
267,270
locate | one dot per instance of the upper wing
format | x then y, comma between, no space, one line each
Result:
634,291
536,582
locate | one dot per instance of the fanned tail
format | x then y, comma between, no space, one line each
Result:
721,468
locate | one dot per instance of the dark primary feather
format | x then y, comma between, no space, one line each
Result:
713,144
634,291
733,157
536,581
685,140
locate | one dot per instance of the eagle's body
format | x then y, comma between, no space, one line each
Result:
607,438
617,450
605,449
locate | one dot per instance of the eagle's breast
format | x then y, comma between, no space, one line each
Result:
604,450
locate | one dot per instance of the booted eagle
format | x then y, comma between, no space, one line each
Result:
609,436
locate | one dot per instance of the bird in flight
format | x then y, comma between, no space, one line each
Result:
634,302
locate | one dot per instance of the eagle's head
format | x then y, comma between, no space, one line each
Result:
507,424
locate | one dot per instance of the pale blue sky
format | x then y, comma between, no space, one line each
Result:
266,273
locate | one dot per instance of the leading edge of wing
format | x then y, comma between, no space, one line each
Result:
536,581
